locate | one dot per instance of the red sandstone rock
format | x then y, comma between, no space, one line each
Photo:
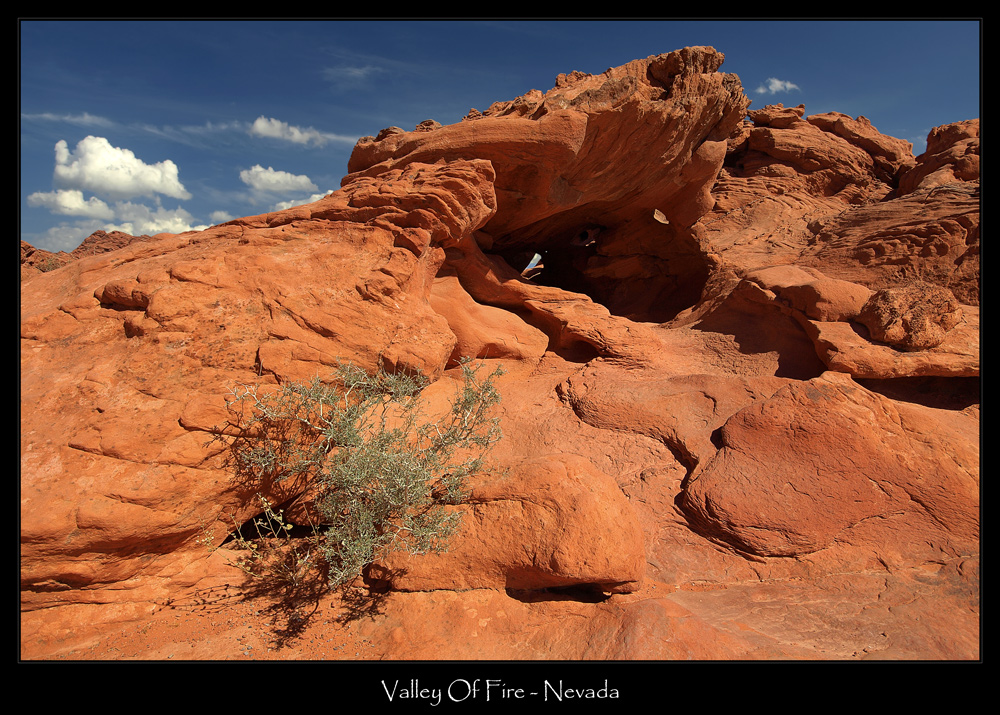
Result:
912,316
697,422
781,199
152,329
872,336
549,522
844,348
850,459
482,331
952,155
891,156
930,234
34,260
104,241
810,292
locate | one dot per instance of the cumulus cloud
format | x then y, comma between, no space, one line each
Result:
63,237
276,129
139,219
136,219
71,203
116,176
775,85
114,173
282,205
276,182
217,217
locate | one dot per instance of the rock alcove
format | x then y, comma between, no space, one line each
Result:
637,269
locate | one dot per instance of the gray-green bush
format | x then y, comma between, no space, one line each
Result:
380,470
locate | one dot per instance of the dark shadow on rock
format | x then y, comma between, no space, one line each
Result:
579,352
366,597
944,393
758,330
580,593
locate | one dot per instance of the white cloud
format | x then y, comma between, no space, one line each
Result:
919,143
64,237
192,135
127,216
357,72
277,129
212,127
282,205
70,203
85,119
275,182
135,219
217,217
139,219
775,85
113,172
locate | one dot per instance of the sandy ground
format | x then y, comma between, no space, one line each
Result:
227,628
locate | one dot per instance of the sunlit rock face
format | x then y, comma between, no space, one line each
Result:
742,355
603,176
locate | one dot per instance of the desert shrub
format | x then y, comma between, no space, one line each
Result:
380,471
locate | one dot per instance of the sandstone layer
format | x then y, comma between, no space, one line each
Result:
741,406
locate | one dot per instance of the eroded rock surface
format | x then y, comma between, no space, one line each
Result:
732,430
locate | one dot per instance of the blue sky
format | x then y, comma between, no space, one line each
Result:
153,126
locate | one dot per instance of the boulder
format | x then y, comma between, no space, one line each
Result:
912,316
821,460
952,155
548,522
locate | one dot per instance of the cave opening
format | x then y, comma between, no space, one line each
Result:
644,275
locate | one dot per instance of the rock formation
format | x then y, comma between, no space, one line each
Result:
741,408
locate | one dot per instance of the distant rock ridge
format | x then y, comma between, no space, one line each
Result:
39,260
104,241
741,408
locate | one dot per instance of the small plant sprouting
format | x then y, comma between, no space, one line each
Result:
271,552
